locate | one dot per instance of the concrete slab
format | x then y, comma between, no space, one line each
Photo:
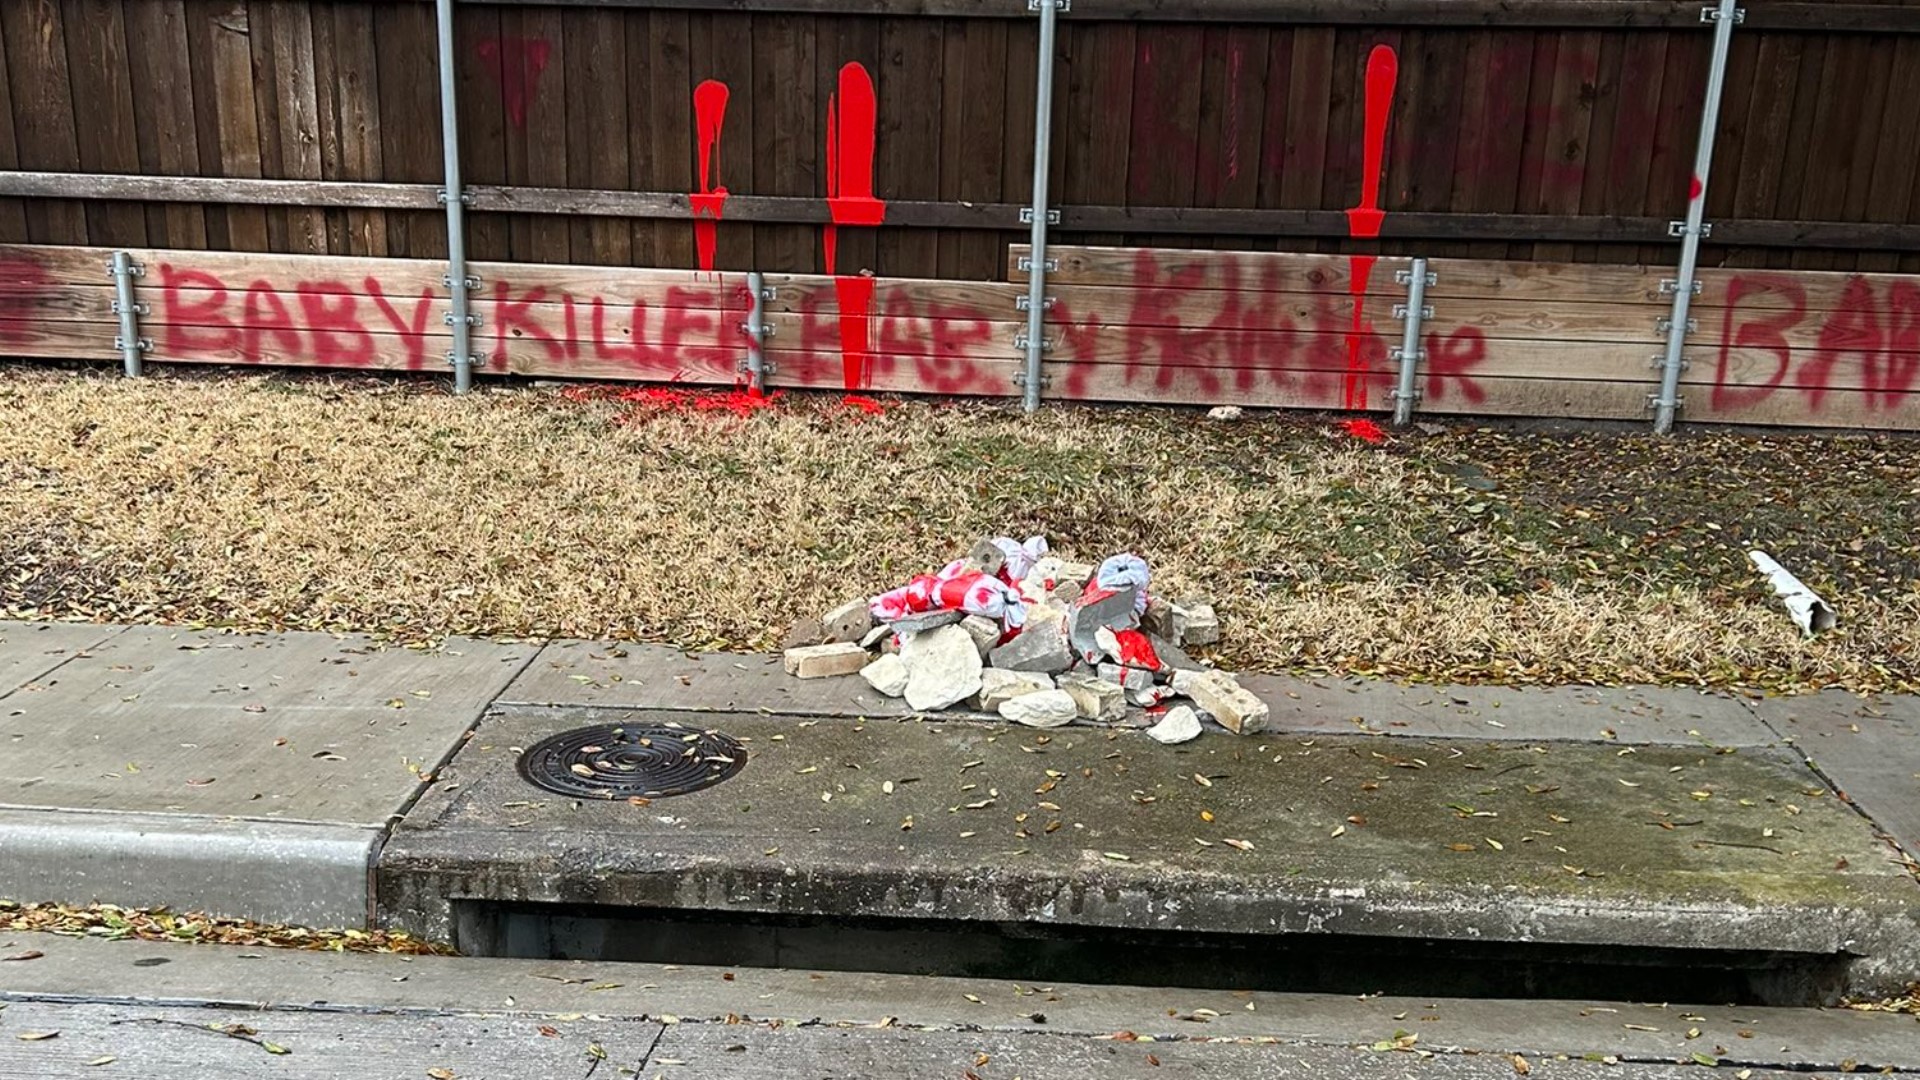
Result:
1869,747
157,1043
251,775
30,650
1350,835
304,874
140,972
302,727
1624,716
656,677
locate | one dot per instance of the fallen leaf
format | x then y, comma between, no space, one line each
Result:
31,954
549,1031
1117,857
1338,831
1152,1060
1639,1027
274,1048
1520,1065
581,769
1206,815
105,1059
1242,845
446,1074
599,1053
1459,847
1495,844
1201,780
36,1036
1705,1059
973,998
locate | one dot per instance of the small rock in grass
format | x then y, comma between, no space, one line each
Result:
822,661
1180,725
805,631
998,686
1226,412
887,675
943,667
1046,709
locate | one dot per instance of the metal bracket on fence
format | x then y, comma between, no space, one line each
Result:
131,345
1659,360
1668,287
1664,324
1020,379
473,318
1021,341
1678,229
1026,216
466,198
755,366
1025,262
1406,390
1654,405
1711,15
1058,5
472,283
1025,303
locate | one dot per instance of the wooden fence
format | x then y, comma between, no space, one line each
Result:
1549,130
1130,325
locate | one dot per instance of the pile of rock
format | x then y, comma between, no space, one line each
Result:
1039,640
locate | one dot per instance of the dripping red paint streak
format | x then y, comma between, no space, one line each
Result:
1364,220
710,114
851,115
515,64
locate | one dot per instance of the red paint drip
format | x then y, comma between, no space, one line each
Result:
515,64
1364,430
851,119
1364,220
710,115
865,405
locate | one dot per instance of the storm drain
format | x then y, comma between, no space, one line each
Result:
624,761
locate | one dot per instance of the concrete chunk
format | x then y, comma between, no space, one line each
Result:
943,667
1040,646
1096,698
926,620
822,661
984,631
848,622
887,675
1046,709
1131,678
1180,725
1222,696
1199,625
998,686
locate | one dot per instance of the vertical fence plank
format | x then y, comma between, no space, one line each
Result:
911,80
43,111
665,162
1895,170
598,139
973,133
840,41
297,117
478,51
1016,170
731,61
166,139
788,137
1233,114
408,56
13,212
1166,119
96,43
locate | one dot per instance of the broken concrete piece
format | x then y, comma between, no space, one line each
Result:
821,661
1198,624
1066,592
1099,609
922,621
1221,695
1180,725
1077,572
984,631
1226,412
1096,698
876,638
805,631
1046,709
1131,678
987,558
1172,657
1040,646
887,675
848,622
1158,619
943,667
1150,698
999,686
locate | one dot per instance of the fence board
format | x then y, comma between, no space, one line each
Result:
42,107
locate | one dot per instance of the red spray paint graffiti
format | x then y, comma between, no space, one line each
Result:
515,64
1364,220
1869,344
709,115
851,117
198,317
22,283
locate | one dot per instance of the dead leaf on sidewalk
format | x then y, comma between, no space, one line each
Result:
36,1036
1520,1065
31,954
441,1074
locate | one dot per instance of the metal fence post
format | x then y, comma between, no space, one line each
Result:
131,345
1037,215
757,332
1667,402
454,196
1415,311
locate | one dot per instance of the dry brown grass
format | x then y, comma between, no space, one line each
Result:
275,501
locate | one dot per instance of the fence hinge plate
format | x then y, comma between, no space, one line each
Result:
1026,263
1062,5
1026,216
1707,15
1025,303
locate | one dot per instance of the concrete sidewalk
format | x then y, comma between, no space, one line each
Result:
263,776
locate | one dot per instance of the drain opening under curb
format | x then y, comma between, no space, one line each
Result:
1038,954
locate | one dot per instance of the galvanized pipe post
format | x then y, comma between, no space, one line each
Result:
454,196
1415,311
128,341
1037,215
757,332
1667,402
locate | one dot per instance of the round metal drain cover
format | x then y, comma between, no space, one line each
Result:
624,761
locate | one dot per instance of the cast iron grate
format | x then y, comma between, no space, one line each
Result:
624,761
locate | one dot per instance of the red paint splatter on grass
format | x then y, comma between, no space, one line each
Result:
1364,220
865,405
851,115
710,115
1364,430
